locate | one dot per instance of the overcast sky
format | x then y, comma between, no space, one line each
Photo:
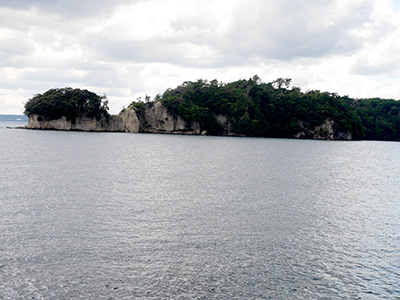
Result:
130,48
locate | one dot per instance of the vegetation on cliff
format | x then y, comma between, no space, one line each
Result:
276,109
69,103
244,107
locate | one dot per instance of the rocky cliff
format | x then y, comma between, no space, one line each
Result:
153,119
326,131
125,121
83,124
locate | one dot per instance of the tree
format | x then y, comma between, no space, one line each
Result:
69,103
282,83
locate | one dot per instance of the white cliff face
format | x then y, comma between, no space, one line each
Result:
157,119
87,124
126,121
325,131
226,125
84,124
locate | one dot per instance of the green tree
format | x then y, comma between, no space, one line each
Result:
69,103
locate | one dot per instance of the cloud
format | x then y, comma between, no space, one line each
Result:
74,9
14,45
285,31
381,39
127,49
247,30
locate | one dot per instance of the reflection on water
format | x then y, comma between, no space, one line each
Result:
122,216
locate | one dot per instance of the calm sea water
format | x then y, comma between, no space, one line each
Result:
12,121
136,216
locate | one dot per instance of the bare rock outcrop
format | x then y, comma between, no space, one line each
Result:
81,124
157,119
125,121
225,125
326,131
153,119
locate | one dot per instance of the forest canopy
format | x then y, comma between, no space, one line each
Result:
276,109
69,103
251,107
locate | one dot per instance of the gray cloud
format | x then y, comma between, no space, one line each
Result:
365,68
262,29
157,51
286,31
15,45
68,8
129,47
282,31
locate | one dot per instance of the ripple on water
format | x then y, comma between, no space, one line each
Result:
122,216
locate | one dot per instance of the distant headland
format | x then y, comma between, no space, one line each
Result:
241,108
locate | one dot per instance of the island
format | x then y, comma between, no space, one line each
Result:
248,108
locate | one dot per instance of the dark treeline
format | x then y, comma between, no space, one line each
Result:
251,107
69,103
276,109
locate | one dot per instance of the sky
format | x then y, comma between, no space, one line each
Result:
127,49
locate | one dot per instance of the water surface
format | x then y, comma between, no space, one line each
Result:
125,216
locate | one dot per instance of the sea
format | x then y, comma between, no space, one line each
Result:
13,121
88,215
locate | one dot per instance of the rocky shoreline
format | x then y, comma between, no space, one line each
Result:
157,119
153,119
